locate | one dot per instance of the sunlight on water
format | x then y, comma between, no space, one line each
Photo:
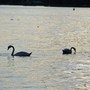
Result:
45,31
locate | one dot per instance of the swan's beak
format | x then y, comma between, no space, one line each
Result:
74,52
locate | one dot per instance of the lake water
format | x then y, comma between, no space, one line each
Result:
45,31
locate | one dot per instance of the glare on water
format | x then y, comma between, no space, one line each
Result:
45,31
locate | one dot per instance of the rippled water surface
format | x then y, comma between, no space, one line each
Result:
45,31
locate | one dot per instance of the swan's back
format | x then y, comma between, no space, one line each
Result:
67,51
22,54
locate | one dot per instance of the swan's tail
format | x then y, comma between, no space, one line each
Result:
30,53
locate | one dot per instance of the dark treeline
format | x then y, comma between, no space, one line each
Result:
67,3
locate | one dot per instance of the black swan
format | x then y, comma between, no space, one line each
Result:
21,54
69,51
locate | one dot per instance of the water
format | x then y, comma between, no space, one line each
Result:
45,31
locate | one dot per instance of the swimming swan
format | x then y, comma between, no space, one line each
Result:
69,51
21,54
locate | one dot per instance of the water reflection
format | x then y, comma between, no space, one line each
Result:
11,61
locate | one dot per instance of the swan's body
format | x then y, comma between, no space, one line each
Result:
69,51
22,53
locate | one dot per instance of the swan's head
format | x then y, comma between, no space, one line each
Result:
9,47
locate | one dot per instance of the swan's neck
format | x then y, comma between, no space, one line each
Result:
73,49
13,51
